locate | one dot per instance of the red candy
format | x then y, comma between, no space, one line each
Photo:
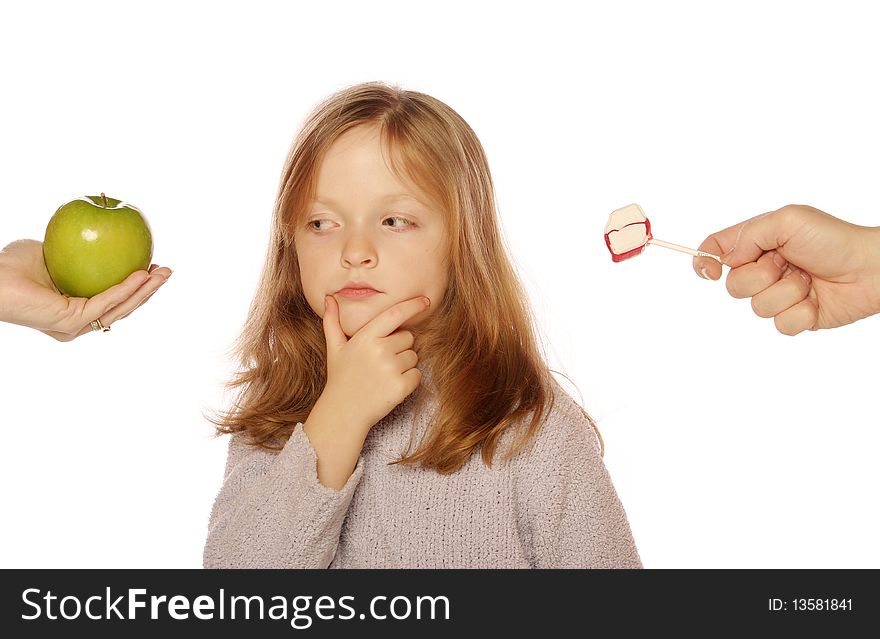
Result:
627,233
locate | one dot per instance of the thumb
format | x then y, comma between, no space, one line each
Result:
333,332
754,237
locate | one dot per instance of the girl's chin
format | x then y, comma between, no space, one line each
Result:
351,327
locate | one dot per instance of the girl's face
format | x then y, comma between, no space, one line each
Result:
366,226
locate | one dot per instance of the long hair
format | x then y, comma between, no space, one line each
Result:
480,345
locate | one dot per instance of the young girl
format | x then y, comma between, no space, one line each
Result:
394,408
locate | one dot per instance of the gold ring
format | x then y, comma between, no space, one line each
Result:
97,326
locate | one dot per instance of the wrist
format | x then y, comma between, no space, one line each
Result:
337,441
335,409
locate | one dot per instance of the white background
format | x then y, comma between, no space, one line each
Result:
730,444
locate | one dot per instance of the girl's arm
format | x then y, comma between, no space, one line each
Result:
273,512
570,515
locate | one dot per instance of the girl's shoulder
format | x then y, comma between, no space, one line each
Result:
566,432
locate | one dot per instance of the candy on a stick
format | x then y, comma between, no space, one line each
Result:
628,232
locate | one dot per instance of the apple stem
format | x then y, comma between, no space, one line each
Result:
104,197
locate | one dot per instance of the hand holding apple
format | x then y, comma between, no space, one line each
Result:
29,298
95,242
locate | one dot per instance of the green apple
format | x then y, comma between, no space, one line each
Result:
95,242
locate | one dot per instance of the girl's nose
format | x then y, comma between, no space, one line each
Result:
358,252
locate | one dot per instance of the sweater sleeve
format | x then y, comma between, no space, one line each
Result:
569,512
273,512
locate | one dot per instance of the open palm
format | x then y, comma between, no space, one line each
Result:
29,298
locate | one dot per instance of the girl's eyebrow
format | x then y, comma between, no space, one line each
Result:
393,197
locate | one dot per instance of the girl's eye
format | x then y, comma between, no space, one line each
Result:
402,219
313,222
403,223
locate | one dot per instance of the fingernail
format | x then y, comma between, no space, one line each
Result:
779,260
806,277
705,273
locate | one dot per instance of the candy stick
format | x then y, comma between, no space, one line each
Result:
683,249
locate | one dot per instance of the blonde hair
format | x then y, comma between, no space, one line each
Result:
479,342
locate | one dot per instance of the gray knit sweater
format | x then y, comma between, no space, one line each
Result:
551,506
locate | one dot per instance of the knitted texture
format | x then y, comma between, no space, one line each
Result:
551,506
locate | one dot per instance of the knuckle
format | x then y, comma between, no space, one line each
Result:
402,387
789,213
767,277
388,367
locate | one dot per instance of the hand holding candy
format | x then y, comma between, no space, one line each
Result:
628,232
801,266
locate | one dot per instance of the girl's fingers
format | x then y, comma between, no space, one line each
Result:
400,340
407,360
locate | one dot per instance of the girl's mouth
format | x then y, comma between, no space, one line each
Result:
357,293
